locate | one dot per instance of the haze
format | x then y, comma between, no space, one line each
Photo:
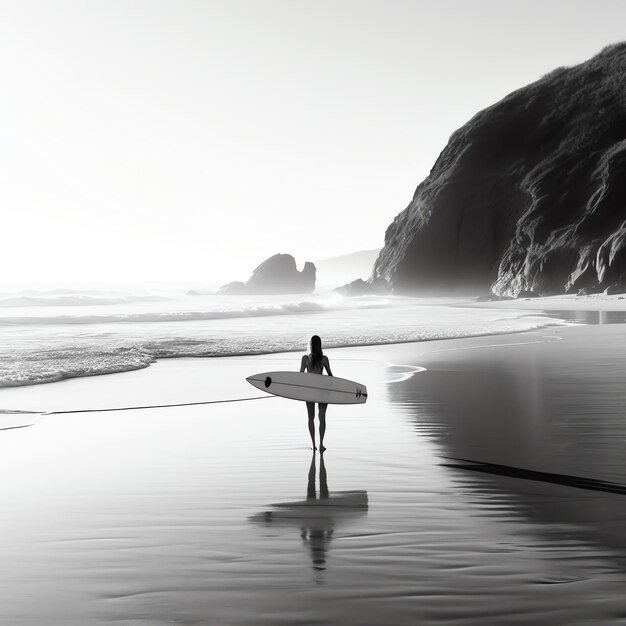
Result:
191,140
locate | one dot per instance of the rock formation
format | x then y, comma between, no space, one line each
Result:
276,275
357,287
529,195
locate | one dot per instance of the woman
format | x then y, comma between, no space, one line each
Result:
316,363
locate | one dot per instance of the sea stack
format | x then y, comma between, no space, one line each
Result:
529,195
276,275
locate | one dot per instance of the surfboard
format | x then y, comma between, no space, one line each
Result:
310,387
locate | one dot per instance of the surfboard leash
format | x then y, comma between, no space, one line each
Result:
135,408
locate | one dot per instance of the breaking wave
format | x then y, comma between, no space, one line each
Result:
165,316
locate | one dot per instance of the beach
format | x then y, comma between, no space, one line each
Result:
210,205
215,514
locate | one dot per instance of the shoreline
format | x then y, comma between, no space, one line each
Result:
279,352
80,363
592,302
20,400
146,359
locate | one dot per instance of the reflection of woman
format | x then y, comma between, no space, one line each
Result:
317,531
318,515
311,492
315,362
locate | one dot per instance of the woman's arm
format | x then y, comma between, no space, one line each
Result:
303,363
326,365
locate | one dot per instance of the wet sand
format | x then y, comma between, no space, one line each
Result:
217,515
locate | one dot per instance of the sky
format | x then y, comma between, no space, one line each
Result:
190,140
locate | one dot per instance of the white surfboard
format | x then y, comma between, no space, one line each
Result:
310,387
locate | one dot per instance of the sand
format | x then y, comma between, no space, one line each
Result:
595,302
199,515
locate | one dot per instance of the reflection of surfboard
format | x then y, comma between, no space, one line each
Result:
339,506
316,519
310,387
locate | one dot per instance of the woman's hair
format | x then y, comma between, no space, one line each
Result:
316,352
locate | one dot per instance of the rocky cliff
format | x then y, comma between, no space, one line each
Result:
276,275
530,194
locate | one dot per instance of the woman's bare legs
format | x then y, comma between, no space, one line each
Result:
322,414
310,407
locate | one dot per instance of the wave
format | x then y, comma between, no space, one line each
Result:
53,300
166,316
48,366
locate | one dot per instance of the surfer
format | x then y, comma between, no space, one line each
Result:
315,362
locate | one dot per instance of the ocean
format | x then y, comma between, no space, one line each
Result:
49,334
